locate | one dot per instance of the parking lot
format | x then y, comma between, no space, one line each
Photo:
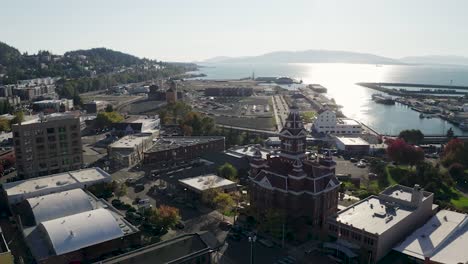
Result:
345,167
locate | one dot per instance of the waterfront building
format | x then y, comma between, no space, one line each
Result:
352,145
326,122
442,239
48,144
305,190
366,231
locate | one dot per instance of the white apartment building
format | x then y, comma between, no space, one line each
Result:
326,122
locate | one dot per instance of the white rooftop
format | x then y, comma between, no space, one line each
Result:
348,122
373,214
50,117
443,239
205,182
129,141
60,204
248,151
357,141
55,181
81,230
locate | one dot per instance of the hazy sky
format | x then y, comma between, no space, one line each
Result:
199,29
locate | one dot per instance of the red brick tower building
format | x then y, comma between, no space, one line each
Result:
304,190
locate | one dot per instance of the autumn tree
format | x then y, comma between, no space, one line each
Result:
168,215
164,216
456,151
400,151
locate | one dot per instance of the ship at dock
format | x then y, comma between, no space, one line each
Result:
383,99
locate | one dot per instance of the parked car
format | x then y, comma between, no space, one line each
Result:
361,165
353,160
143,201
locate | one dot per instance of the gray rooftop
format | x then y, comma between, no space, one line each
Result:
168,143
377,214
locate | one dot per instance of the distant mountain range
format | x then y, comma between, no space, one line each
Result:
333,56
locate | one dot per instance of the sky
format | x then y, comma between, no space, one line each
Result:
194,30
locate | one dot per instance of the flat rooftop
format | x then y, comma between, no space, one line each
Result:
206,182
52,117
347,121
352,141
54,181
176,142
51,101
373,214
401,192
443,239
248,151
130,141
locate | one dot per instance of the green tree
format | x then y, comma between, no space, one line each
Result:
412,136
19,117
308,116
228,171
4,124
109,108
120,190
105,119
224,202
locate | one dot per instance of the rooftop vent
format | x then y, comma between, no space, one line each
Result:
60,183
380,214
41,186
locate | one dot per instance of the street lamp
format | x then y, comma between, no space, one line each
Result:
252,240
